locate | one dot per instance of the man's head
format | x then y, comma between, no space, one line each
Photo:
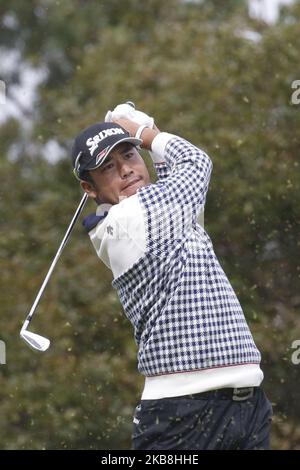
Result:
107,163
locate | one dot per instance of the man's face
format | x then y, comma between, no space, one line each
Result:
120,176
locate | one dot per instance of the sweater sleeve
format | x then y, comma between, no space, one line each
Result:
160,165
162,170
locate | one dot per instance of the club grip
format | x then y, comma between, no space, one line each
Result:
131,103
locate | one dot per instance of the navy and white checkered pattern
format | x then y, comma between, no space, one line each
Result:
185,313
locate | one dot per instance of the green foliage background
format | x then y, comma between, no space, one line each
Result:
190,65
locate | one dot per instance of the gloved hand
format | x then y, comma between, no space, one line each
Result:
127,111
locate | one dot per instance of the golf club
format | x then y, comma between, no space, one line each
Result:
35,341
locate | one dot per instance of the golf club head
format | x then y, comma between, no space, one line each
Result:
36,342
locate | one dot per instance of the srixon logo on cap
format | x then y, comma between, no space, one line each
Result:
92,142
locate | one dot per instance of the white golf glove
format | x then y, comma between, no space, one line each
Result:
127,111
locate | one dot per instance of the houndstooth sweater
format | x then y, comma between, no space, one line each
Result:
185,314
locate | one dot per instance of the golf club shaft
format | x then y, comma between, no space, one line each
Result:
53,264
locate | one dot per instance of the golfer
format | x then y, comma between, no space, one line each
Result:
201,365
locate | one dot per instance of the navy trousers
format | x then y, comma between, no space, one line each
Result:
219,419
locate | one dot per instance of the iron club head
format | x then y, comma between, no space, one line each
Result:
36,342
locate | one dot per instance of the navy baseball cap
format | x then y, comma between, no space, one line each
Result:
93,145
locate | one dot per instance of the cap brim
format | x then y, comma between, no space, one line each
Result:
131,140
